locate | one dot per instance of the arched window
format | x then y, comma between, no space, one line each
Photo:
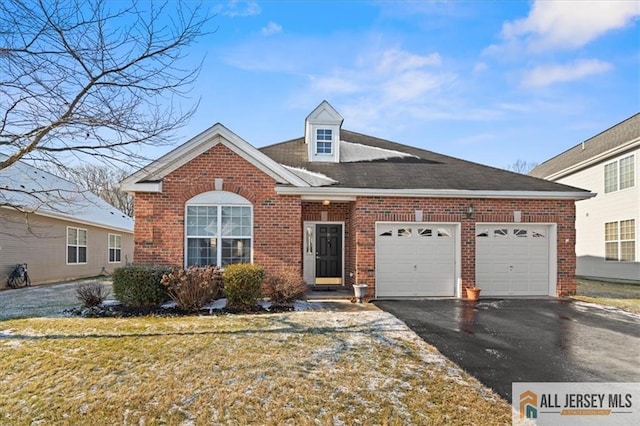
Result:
218,229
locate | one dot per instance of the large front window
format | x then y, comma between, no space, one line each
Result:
218,235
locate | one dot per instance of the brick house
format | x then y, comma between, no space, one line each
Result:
348,208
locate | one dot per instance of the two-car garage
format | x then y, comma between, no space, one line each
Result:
424,259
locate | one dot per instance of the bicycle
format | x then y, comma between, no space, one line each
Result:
19,277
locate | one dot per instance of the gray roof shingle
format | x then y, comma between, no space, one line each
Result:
607,140
425,170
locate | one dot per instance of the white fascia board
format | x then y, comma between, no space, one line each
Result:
141,187
593,160
328,193
197,146
69,218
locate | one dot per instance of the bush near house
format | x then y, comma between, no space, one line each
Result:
242,284
284,287
140,285
91,294
193,288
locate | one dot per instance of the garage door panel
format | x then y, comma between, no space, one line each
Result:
512,259
421,264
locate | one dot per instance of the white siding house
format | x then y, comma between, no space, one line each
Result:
607,225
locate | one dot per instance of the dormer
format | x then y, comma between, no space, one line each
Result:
322,134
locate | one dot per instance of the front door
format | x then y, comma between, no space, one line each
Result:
328,254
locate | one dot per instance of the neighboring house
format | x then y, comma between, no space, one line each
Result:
346,208
60,230
607,225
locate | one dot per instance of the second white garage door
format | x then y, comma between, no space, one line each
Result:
513,260
415,259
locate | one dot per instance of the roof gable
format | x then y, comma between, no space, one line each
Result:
149,178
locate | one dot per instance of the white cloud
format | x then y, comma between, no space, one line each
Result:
271,28
543,75
568,24
333,84
237,8
480,67
394,60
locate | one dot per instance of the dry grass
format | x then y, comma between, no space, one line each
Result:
297,368
622,296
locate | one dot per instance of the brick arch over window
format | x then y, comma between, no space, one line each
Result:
218,229
226,187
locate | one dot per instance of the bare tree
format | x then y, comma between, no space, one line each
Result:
104,182
521,166
99,79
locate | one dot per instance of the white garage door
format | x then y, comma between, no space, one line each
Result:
415,259
512,260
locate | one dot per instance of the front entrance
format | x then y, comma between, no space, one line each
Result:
323,260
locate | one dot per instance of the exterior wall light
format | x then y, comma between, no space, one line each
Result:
470,211
326,202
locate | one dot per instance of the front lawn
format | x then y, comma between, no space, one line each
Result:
622,296
294,368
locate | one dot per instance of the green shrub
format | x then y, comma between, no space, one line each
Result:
242,285
140,285
193,288
284,287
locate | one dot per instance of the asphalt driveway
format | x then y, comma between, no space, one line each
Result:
528,340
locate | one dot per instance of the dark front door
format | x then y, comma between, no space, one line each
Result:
329,254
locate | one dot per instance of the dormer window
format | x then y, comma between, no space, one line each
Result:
324,141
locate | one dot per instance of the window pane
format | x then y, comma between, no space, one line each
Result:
628,251
627,174
628,229
82,237
443,232
118,255
611,231
484,232
522,233
500,233
112,255
426,232
71,255
235,250
82,255
404,232
611,251
72,235
611,177
202,251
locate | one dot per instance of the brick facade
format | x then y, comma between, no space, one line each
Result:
278,220
159,227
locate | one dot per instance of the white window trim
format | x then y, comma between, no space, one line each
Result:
109,248
618,174
67,245
219,226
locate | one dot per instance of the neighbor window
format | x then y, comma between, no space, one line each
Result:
115,248
619,174
76,245
620,240
323,141
218,235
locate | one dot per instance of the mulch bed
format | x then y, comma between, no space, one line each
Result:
122,311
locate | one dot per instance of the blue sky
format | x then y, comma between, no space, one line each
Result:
490,82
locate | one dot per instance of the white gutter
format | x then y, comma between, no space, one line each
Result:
349,193
595,159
